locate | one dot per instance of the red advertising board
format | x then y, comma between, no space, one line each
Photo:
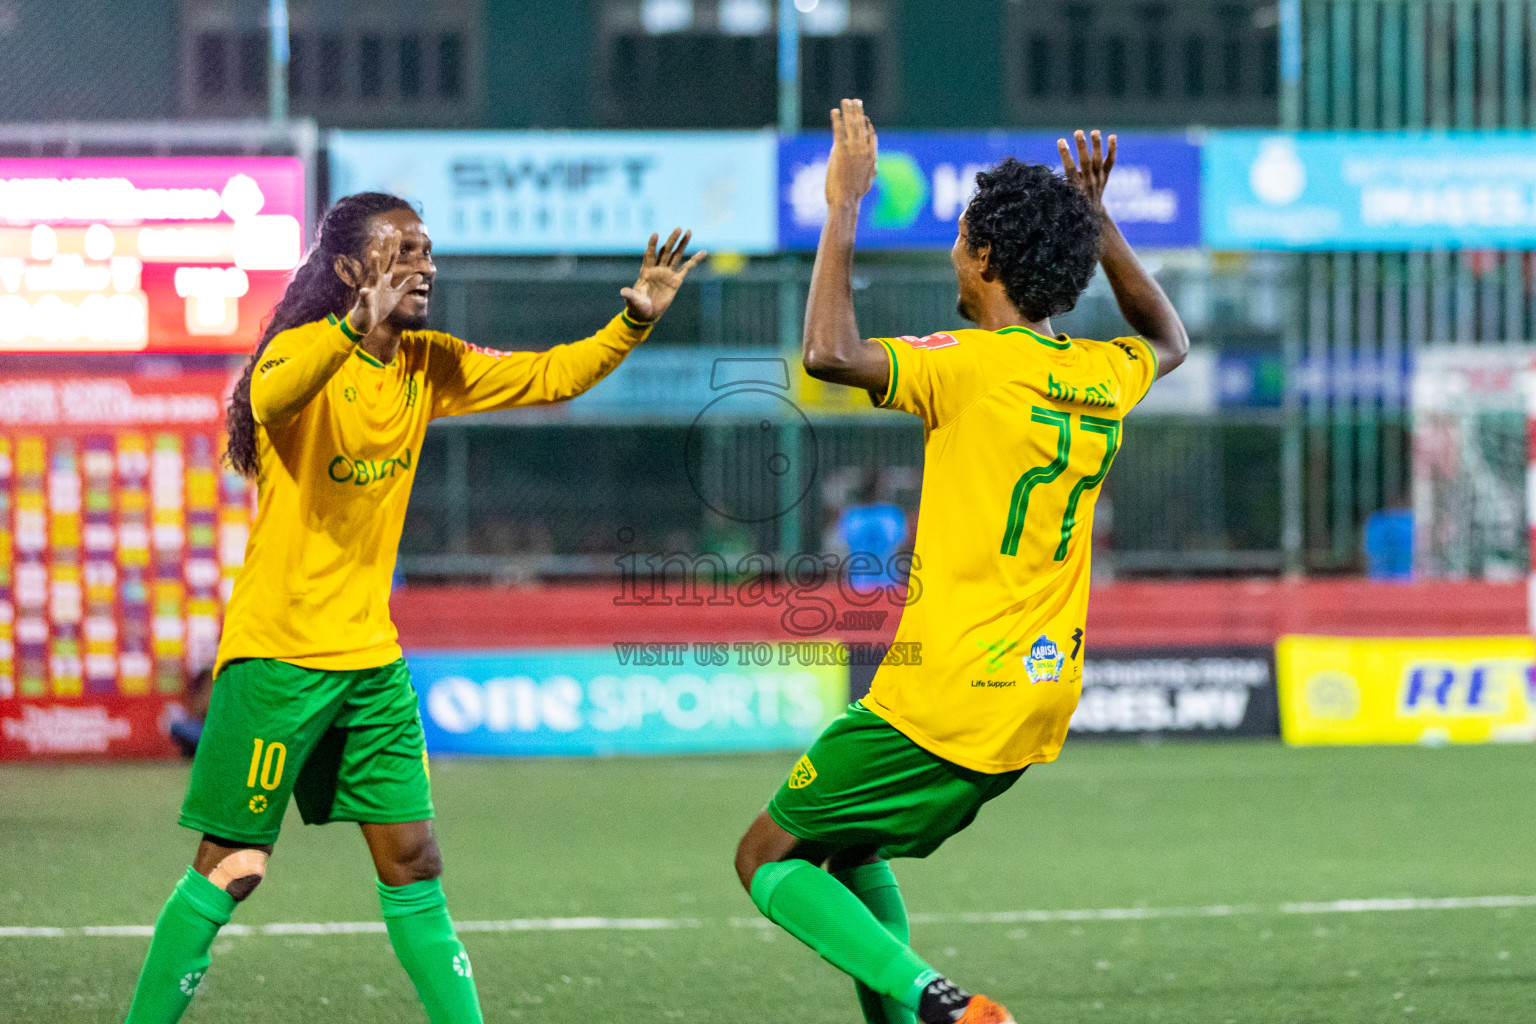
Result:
158,254
120,535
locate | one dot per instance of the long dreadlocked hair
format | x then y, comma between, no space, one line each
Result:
315,291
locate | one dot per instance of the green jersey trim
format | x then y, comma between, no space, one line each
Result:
1157,363
639,325
890,388
1056,343
365,357
345,325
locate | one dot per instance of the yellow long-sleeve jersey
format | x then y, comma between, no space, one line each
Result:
335,476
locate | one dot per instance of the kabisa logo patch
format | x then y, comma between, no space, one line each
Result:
461,965
190,981
1043,662
258,804
802,774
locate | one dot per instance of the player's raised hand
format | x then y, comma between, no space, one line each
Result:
855,148
1091,170
661,275
377,279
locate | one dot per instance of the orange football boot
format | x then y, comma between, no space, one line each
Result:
981,1010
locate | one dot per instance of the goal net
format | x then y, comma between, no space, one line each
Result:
1470,461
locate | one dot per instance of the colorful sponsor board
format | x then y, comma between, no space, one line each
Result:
119,538
173,254
1378,191
593,700
1178,691
570,192
1379,690
924,180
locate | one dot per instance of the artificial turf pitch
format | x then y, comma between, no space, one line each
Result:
1250,826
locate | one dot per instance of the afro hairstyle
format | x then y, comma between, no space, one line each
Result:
1043,233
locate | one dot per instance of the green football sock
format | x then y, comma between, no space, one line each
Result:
819,910
876,888
416,917
178,953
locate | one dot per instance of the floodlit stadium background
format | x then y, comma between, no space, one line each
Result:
1316,533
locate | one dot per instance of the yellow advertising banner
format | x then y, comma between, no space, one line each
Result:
1400,690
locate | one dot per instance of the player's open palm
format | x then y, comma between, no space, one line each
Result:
1091,170
378,290
855,149
661,275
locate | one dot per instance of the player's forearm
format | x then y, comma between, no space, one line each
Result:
281,391
831,338
570,370
1141,299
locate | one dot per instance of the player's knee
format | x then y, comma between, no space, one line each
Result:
240,873
748,860
421,860
752,853
766,842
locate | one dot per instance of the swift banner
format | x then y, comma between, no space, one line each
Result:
654,699
924,179
1359,690
495,193
1380,191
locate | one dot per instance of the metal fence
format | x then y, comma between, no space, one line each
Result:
525,496
1362,317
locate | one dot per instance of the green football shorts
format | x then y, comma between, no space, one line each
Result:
347,746
865,784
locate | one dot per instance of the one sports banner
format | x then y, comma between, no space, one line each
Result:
592,192
627,698
1398,690
1376,191
924,180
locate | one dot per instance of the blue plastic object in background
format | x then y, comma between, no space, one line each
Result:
1389,545
876,530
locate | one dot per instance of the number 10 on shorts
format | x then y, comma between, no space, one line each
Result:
267,770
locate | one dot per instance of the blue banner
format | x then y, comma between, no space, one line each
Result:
924,180
628,698
569,192
1376,191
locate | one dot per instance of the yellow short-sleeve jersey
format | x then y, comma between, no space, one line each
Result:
333,481
1020,430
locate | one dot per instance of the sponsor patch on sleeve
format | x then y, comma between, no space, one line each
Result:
494,353
930,341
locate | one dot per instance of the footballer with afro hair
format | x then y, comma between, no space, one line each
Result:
1021,426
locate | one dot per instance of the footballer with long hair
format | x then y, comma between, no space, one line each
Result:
311,697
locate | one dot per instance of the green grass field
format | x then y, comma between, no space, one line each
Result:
1253,826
